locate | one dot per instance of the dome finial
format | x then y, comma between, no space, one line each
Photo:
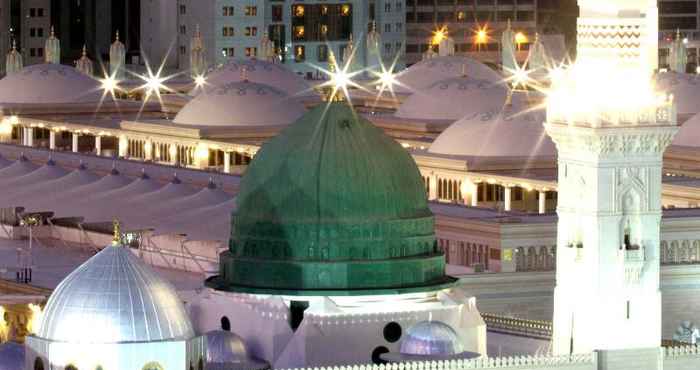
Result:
117,36
53,34
14,44
84,50
117,237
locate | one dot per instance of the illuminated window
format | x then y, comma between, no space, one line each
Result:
324,9
251,31
227,52
345,10
299,32
323,53
251,10
227,31
228,11
298,10
460,16
324,30
299,53
251,52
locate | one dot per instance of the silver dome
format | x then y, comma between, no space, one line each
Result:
113,298
431,338
225,347
11,356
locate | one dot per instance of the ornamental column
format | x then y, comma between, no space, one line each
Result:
507,199
227,162
98,145
30,136
74,143
148,150
475,194
123,146
542,200
52,140
432,187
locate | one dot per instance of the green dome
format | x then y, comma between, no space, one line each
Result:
331,204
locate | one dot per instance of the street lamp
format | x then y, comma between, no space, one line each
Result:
25,273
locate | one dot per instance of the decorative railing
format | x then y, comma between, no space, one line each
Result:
582,361
681,351
522,327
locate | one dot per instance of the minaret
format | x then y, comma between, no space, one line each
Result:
508,59
611,130
13,61
348,55
679,54
374,52
117,59
537,61
197,63
52,49
84,64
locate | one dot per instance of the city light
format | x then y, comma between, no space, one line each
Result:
520,38
439,35
34,322
5,127
200,81
109,84
481,36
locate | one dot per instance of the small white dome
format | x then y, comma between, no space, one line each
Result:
685,89
114,298
226,347
453,98
689,133
49,83
258,71
427,72
508,133
431,338
241,103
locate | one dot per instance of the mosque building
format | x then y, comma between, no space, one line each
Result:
406,219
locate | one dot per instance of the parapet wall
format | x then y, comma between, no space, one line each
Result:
681,358
574,362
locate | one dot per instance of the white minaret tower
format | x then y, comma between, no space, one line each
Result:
611,130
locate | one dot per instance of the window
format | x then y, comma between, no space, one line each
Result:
38,364
32,12
399,27
277,13
228,11
345,10
251,52
32,32
183,29
225,324
399,6
227,52
387,7
40,12
40,32
387,48
183,50
183,9
299,53
227,31
251,31
323,53
251,10
387,27
299,11
299,33
32,52
398,47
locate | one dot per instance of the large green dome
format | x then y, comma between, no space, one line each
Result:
332,206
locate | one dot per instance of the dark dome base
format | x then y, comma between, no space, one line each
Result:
218,283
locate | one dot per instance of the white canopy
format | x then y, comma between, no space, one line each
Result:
426,73
49,84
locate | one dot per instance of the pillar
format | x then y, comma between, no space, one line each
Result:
542,197
98,145
432,194
75,142
148,150
173,154
30,136
52,140
227,162
123,146
507,198
475,195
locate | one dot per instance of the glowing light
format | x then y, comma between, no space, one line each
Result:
201,153
109,84
439,35
5,128
3,325
340,78
481,36
520,38
200,81
14,120
37,316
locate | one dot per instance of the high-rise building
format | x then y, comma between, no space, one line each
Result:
303,34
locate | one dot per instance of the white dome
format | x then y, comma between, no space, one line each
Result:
431,338
508,133
689,133
685,89
225,347
49,84
259,71
427,72
114,298
453,98
240,103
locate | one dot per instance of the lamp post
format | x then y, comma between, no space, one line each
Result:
25,273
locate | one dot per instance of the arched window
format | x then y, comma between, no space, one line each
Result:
38,364
151,366
225,323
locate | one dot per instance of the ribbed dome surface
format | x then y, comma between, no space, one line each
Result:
114,298
241,103
332,203
427,72
226,347
431,338
49,83
453,98
258,71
